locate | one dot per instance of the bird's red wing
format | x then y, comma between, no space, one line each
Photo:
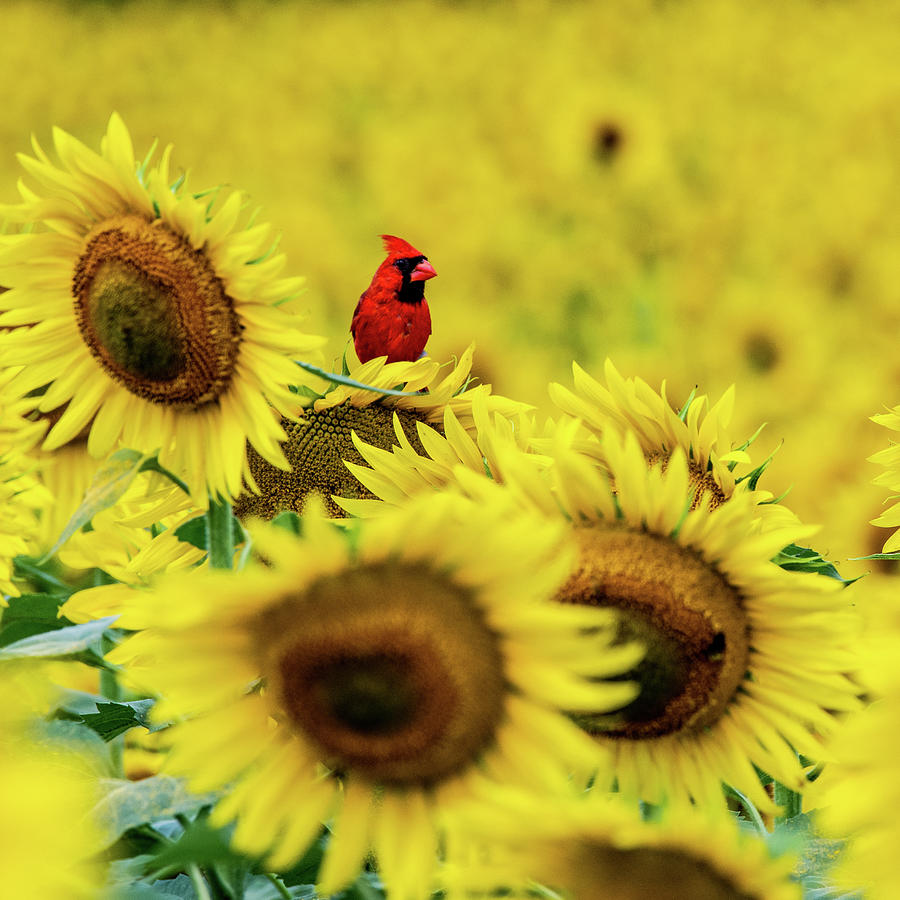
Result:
354,322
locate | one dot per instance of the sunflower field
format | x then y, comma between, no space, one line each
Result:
570,574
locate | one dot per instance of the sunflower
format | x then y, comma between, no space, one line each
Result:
374,677
745,661
391,476
596,847
889,458
325,447
630,404
152,318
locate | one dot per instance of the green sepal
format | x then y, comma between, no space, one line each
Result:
759,469
682,413
306,392
753,477
801,559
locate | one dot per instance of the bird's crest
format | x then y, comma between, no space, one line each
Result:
398,248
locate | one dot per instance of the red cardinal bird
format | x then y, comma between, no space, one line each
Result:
392,317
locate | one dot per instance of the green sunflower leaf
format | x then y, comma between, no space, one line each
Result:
42,576
194,532
261,887
81,642
30,614
367,887
73,746
179,887
200,844
124,804
107,718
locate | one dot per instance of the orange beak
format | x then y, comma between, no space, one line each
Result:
423,271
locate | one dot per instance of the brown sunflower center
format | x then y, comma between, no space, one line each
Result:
154,314
389,670
761,352
316,449
600,871
689,618
707,490
608,140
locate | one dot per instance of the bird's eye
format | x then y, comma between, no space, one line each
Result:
407,264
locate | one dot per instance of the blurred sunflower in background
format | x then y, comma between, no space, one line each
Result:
699,191
595,847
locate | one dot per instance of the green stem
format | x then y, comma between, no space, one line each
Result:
276,883
198,882
790,801
749,808
334,378
25,568
220,535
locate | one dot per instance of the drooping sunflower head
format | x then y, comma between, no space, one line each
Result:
698,429
147,312
745,661
326,449
595,848
413,656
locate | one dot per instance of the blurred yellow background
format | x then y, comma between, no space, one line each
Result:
706,192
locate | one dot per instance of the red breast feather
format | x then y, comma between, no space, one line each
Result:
392,317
